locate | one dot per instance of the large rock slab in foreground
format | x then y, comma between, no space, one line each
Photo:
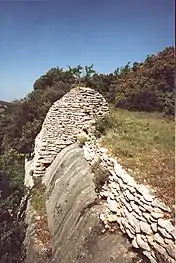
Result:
73,214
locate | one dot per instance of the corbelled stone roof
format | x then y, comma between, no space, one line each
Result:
77,110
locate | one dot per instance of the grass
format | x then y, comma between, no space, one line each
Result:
143,144
41,228
38,195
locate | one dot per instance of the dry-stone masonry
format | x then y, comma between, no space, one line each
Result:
134,208
70,115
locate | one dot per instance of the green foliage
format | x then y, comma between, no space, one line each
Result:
148,86
81,73
100,175
38,195
12,231
102,125
82,139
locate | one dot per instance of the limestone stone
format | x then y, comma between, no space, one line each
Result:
132,189
136,209
112,205
134,243
157,215
148,208
128,195
150,257
150,239
106,194
161,205
141,243
129,233
112,218
154,227
113,185
160,249
165,224
170,248
159,239
164,232
145,228
103,217
146,216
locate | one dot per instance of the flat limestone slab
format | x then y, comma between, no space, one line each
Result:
73,214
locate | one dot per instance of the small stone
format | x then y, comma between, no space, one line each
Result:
160,249
164,232
105,193
112,218
150,257
154,227
145,228
38,218
148,208
142,208
148,197
134,243
127,205
113,185
133,222
166,224
161,205
142,189
136,209
141,243
170,248
114,192
105,187
103,217
150,239
131,235
159,239
157,215
167,241
146,216
112,205
107,226
128,195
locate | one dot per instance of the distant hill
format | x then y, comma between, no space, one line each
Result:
7,107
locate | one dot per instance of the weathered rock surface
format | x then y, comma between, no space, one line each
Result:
73,214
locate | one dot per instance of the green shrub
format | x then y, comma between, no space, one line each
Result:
38,195
100,175
82,139
102,125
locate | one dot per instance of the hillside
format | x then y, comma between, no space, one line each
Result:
146,86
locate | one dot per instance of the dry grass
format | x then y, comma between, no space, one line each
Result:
43,236
144,145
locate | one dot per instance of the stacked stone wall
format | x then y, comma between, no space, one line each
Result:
69,116
135,208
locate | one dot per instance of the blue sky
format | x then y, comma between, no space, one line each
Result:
36,35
